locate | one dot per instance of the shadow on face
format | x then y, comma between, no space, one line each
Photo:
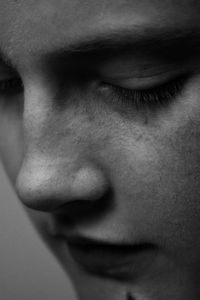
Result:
99,126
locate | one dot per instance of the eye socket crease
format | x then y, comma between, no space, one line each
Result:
144,82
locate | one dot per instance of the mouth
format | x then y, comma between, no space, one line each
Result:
119,261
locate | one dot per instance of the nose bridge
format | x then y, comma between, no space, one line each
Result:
37,110
57,168
47,124
54,134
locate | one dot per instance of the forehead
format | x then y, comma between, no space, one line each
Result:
35,26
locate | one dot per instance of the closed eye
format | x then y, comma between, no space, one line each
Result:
151,98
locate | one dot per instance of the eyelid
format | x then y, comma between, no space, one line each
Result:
143,82
154,98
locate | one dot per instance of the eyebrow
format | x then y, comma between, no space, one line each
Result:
180,41
177,42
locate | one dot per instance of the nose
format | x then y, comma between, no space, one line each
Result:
47,186
57,167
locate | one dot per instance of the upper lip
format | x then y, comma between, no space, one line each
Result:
83,241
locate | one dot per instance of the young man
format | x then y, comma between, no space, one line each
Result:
100,136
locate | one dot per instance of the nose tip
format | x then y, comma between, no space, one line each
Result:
48,188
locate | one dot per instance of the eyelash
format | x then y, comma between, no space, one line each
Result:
152,98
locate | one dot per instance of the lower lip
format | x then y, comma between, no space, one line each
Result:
120,262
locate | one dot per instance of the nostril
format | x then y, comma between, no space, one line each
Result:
49,188
84,212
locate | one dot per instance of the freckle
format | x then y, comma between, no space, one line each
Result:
129,296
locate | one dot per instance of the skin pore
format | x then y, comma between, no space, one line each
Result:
99,135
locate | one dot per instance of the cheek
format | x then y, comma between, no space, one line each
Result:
157,185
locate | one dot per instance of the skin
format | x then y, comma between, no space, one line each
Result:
67,142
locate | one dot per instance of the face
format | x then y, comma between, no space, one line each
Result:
100,136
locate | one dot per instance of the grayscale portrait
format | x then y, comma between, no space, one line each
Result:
100,138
